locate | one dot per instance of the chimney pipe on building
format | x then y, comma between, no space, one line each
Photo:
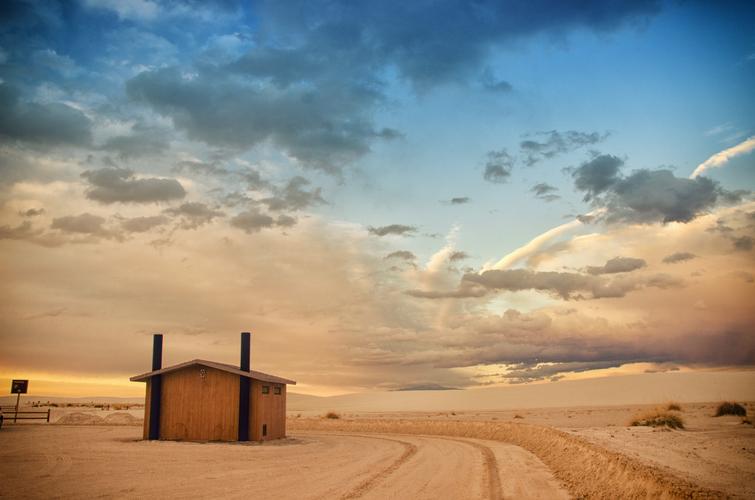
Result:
246,341
244,386
155,390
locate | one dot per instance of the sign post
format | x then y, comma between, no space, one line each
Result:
18,387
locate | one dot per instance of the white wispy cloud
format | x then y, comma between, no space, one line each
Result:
722,157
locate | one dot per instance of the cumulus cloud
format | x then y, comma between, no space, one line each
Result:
644,196
84,224
556,143
618,265
44,124
457,255
194,214
253,221
498,167
397,229
113,185
678,257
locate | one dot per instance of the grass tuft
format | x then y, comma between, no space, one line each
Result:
333,415
659,418
673,406
730,408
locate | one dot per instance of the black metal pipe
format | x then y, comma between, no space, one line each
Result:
155,387
244,387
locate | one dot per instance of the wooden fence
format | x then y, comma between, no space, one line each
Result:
10,412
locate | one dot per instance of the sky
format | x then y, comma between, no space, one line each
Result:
388,195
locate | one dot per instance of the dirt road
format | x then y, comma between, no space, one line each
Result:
86,461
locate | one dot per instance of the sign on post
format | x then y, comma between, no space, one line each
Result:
19,386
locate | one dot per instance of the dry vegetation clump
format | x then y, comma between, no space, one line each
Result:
333,415
659,419
730,408
518,416
673,406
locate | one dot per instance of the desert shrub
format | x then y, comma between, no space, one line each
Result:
730,408
746,420
518,416
659,419
673,406
332,414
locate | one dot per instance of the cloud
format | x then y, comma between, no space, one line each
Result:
498,167
143,224
32,212
43,124
194,214
293,197
743,243
645,196
401,254
457,255
567,285
119,185
597,175
523,373
722,157
397,229
618,265
460,200
252,221
557,143
83,224
545,191
143,141
678,257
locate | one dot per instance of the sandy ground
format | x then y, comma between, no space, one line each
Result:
101,461
529,453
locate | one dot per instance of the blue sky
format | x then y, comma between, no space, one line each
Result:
320,138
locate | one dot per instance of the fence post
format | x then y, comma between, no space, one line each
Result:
48,415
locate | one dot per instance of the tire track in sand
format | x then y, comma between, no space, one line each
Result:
409,451
491,481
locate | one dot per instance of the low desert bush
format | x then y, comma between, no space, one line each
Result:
659,419
673,406
333,415
518,416
730,408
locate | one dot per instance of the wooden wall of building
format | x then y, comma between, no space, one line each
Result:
267,409
199,408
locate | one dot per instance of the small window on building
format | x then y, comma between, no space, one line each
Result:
277,389
265,389
264,429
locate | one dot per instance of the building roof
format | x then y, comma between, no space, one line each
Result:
218,366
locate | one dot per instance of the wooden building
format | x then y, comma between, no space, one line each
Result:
203,400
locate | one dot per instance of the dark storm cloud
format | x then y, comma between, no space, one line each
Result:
317,72
193,214
498,167
398,229
545,191
524,372
112,185
401,254
43,124
567,285
324,127
557,143
618,265
678,257
292,196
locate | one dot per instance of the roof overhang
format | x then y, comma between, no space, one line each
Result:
264,377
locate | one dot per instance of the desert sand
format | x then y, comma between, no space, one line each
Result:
587,452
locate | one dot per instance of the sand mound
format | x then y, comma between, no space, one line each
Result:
121,418
79,419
